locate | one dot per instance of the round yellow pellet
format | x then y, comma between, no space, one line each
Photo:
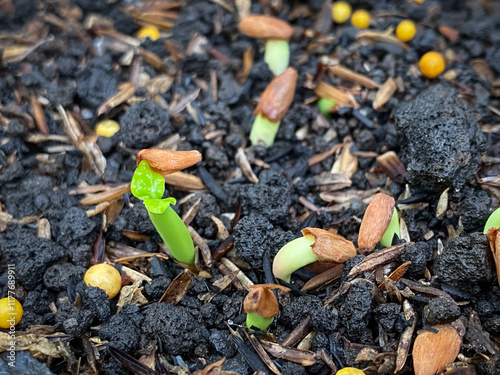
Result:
360,19
150,32
432,64
11,312
350,371
341,11
406,30
107,128
105,277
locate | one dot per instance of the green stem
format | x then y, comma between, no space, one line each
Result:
263,131
258,321
493,221
175,234
277,55
294,255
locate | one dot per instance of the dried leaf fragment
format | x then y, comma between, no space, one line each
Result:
303,357
166,162
343,99
278,96
392,166
177,288
125,91
433,351
376,259
384,93
375,221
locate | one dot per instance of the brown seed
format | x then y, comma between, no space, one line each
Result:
376,221
330,247
265,27
392,166
278,96
433,351
167,162
261,300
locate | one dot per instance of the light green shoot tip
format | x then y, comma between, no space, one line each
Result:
493,221
277,55
263,131
258,321
324,106
294,255
392,229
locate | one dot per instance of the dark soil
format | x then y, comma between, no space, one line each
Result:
191,92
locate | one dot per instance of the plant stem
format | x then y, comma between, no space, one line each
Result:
294,255
174,233
263,131
258,321
277,55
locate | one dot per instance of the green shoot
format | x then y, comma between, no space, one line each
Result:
493,221
149,187
392,229
294,255
277,55
258,321
263,131
324,106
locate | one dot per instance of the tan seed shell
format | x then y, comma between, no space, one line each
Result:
376,221
265,27
278,96
433,351
262,301
167,162
330,247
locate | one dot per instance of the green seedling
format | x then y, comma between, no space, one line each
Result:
392,230
273,104
275,33
149,186
315,245
493,221
261,306
325,105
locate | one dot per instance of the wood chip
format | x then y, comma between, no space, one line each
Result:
306,342
379,258
397,274
43,229
442,205
349,75
112,212
106,195
242,161
346,163
184,181
177,288
38,115
318,158
125,91
323,279
449,33
303,357
343,99
222,232
100,207
425,290
189,215
256,343
381,36
433,351
244,280
202,245
392,166
298,333
384,93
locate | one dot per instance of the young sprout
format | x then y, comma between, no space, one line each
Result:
261,305
148,185
493,221
392,230
273,104
315,245
275,33
325,105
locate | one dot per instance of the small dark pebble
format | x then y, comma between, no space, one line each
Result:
355,312
418,254
23,364
123,330
452,132
466,262
440,311
73,320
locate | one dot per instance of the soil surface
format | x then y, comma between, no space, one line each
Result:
65,203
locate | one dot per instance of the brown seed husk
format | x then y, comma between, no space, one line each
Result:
262,301
278,96
494,240
167,162
376,221
330,247
433,351
265,27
